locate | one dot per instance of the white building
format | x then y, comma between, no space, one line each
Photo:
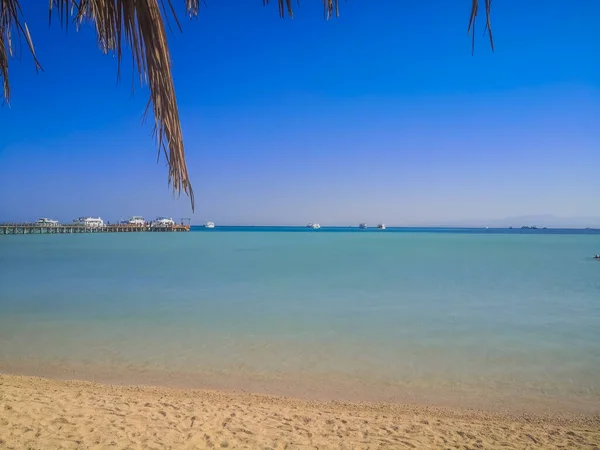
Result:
163,222
137,220
43,222
90,222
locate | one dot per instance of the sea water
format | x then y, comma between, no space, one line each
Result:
466,317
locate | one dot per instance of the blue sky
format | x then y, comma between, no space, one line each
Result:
379,115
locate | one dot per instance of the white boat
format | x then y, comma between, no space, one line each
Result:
90,222
163,222
314,226
209,224
43,222
381,226
363,226
136,220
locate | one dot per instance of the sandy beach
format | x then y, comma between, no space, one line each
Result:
39,413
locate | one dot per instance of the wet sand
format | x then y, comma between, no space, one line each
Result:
39,413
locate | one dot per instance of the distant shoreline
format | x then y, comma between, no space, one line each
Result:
401,227
374,228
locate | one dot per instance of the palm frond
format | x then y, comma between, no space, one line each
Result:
139,24
488,22
192,7
10,19
330,7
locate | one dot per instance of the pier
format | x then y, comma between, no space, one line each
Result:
29,228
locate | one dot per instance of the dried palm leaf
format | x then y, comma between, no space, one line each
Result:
140,25
331,8
488,22
10,19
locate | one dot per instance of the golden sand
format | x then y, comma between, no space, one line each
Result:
38,413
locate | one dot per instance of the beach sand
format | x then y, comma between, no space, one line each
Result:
39,413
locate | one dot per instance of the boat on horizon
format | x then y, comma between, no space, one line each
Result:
381,226
314,226
363,226
209,224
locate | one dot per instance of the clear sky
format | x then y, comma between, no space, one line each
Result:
379,115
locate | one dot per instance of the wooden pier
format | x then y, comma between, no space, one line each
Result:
19,228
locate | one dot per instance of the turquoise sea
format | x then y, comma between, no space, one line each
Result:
481,318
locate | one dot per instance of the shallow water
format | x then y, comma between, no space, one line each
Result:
410,315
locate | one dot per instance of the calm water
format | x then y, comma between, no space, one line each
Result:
419,315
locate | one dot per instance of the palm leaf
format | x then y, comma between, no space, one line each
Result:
10,20
488,22
140,25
